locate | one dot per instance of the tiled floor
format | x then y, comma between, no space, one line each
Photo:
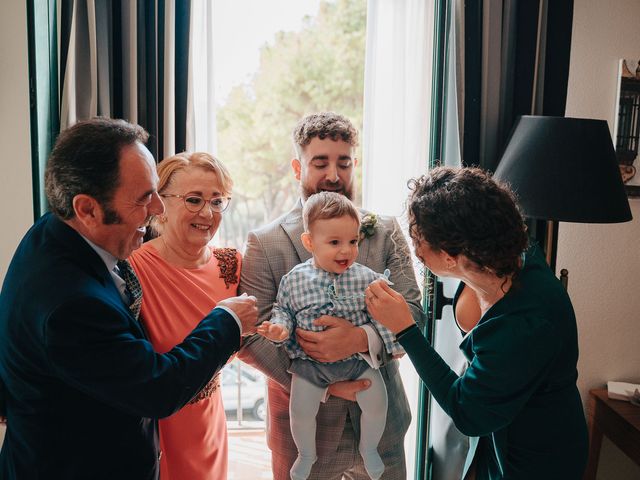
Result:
249,457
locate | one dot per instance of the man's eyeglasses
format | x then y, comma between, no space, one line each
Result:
195,203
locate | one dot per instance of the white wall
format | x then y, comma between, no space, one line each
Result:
604,260
16,205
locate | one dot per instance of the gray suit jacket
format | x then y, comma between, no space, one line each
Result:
271,252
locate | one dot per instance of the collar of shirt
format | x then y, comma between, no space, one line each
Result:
110,261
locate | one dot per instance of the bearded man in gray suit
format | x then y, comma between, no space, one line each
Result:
325,161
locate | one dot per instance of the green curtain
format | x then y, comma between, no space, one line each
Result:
43,89
442,19
505,75
524,78
122,78
497,74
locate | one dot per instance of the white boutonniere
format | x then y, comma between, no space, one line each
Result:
368,226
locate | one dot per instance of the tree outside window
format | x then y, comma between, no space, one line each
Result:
319,68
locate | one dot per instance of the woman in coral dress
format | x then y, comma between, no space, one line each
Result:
183,278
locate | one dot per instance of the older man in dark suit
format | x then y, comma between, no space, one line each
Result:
84,388
325,161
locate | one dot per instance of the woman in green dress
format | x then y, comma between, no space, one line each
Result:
518,398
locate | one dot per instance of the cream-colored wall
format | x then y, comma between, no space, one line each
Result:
604,260
16,206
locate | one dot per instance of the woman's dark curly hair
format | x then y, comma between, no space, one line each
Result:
464,211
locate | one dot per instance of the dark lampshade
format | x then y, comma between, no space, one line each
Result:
564,169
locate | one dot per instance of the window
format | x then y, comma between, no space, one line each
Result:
286,59
290,58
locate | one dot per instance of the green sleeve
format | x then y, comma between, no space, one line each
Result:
509,359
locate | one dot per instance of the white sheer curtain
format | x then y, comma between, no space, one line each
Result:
169,113
201,109
397,93
398,84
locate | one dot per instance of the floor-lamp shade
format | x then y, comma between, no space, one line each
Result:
564,169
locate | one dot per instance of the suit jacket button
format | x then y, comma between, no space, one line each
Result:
378,357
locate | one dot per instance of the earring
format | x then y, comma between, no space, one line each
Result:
162,218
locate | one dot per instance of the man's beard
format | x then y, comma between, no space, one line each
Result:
111,217
346,190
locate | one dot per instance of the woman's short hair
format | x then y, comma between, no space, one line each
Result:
168,167
464,211
327,205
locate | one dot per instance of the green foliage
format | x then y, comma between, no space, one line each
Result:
319,68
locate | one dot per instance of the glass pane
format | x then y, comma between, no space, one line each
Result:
244,395
284,60
447,445
287,61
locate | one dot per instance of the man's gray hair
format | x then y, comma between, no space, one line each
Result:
86,160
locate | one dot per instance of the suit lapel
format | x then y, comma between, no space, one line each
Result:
79,251
292,225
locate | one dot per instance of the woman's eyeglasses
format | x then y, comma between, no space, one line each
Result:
195,203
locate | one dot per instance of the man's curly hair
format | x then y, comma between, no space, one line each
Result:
323,125
464,211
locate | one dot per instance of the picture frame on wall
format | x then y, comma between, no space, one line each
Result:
627,124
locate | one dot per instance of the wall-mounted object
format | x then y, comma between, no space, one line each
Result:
627,127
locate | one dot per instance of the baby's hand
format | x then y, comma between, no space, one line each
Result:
275,333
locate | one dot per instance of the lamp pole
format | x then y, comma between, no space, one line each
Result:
551,243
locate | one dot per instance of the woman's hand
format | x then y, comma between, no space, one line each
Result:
272,331
387,306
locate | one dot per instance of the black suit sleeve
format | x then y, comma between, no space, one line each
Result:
91,346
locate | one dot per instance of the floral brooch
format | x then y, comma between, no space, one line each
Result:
368,226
